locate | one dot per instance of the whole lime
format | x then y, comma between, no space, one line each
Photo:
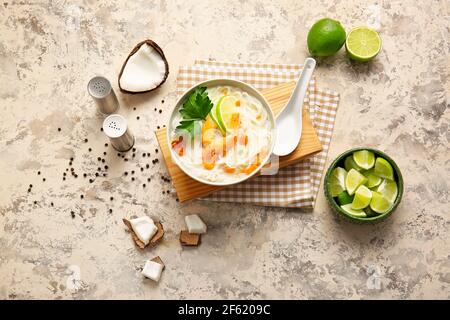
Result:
326,37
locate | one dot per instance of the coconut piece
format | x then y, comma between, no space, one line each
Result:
158,260
155,239
189,239
195,224
153,270
145,68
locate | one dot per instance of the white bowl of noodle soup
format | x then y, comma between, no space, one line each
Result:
224,157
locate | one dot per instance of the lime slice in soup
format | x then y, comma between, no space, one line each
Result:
213,114
364,159
227,113
337,181
353,180
362,198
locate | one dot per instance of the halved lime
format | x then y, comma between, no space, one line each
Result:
213,114
364,158
357,213
363,44
372,179
353,180
388,189
226,111
383,169
379,203
344,198
349,164
337,181
362,198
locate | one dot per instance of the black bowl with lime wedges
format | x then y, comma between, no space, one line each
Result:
363,185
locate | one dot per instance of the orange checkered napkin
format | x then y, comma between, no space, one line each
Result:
293,186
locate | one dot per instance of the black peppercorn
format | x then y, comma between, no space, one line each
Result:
59,129
111,198
137,118
96,174
143,185
64,179
156,150
84,175
125,159
43,179
90,149
35,202
106,144
91,180
99,159
134,108
106,167
51,203
134,149
104,153
147,166
132,171
86,140
148,179
125,173
162,101
103,160
39,172
157,127
142,169
132,178
81,196
160,111
110,210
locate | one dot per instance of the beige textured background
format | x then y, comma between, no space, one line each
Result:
399,103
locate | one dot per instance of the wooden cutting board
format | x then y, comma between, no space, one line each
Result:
188,188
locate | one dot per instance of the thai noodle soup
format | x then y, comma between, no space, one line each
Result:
230,143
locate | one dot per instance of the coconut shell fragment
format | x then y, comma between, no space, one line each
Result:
189,239
153,241
145,69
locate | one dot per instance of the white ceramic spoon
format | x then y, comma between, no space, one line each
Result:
289,121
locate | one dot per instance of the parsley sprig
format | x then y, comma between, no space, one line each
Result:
196,108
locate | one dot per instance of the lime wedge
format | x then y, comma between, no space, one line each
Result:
379,203
384,169
363,44
362,198
388,189
356,213
344,198
226,112
337,181
372,179
364,158
369,212
353,180
349,163
213,115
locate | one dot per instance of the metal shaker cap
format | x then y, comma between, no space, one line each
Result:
103,94
116,128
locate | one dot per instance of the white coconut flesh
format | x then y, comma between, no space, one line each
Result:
144,70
